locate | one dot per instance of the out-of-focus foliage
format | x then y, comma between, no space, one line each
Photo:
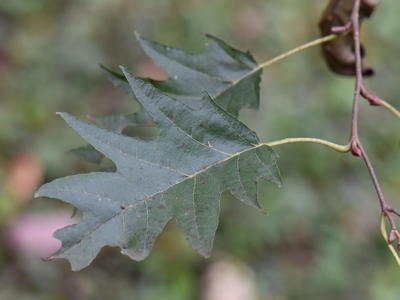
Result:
321,238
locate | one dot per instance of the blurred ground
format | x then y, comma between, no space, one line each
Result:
321,238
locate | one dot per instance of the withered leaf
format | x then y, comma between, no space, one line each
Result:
339,53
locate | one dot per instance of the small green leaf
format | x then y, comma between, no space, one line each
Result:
181,174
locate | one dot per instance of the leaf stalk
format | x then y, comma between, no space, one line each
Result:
337,147
297,49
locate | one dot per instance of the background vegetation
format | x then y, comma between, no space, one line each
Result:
321,239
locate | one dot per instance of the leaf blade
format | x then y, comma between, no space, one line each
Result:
181,174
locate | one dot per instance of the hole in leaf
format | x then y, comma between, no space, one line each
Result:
107,165
141,132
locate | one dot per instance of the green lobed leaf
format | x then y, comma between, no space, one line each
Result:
230,76
181,174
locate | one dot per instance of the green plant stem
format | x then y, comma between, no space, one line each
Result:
289,53
297,49
390,107
337,147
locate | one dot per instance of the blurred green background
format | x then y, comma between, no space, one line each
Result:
321,238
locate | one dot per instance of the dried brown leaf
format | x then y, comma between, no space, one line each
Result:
339,53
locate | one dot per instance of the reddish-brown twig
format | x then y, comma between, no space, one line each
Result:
356,146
